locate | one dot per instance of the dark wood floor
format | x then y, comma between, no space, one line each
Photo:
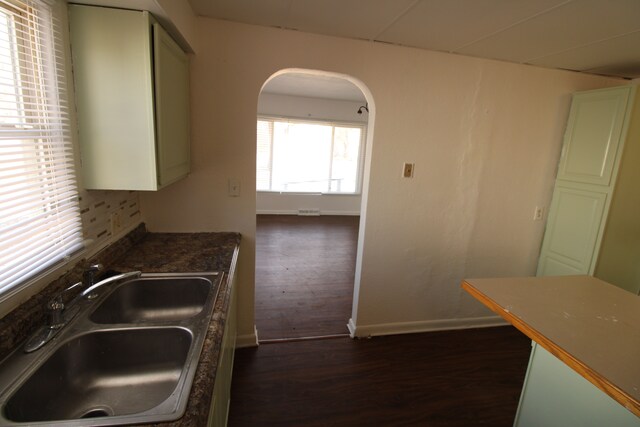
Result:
305,269
453,378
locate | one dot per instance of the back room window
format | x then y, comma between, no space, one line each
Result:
296,156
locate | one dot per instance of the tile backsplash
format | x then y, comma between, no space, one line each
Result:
99,208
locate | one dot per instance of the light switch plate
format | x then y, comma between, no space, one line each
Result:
234,187
407,170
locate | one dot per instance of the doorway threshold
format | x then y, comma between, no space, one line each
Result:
314,338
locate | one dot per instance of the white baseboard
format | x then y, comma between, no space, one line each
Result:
423,326
295,212
247,340
352,328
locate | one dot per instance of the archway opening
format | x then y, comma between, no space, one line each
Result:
314,135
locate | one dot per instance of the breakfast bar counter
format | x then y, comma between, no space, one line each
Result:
593,327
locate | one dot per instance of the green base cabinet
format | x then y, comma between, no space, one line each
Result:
554,395
219,411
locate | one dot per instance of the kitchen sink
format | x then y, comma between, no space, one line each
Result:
103,373
129,356
158,299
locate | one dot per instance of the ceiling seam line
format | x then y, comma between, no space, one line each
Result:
582,45
456,50
394,20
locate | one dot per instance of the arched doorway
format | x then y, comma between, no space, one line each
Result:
314,134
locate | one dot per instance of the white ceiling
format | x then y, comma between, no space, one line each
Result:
313,86
593,36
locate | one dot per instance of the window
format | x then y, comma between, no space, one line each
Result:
309,157
39,216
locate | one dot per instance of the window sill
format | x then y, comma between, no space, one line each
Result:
297,193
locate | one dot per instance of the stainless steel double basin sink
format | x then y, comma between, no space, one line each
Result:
128,357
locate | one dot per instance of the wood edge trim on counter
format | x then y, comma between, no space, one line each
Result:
592,376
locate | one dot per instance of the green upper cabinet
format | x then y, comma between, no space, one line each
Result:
171,67
597,137
593,135
132,96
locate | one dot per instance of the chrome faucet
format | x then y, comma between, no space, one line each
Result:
91,293
58,315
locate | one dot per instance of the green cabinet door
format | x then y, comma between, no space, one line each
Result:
593,136
171,71
574,221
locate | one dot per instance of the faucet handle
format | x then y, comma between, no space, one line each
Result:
89,275
56,307
95,267
56,303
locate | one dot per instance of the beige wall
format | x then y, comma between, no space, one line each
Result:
484,135
620,249
179,19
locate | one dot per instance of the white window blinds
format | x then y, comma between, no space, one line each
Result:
264,156
39,215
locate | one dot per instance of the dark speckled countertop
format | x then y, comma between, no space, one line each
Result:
180,252
150,253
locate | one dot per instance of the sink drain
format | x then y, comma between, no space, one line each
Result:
96,413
